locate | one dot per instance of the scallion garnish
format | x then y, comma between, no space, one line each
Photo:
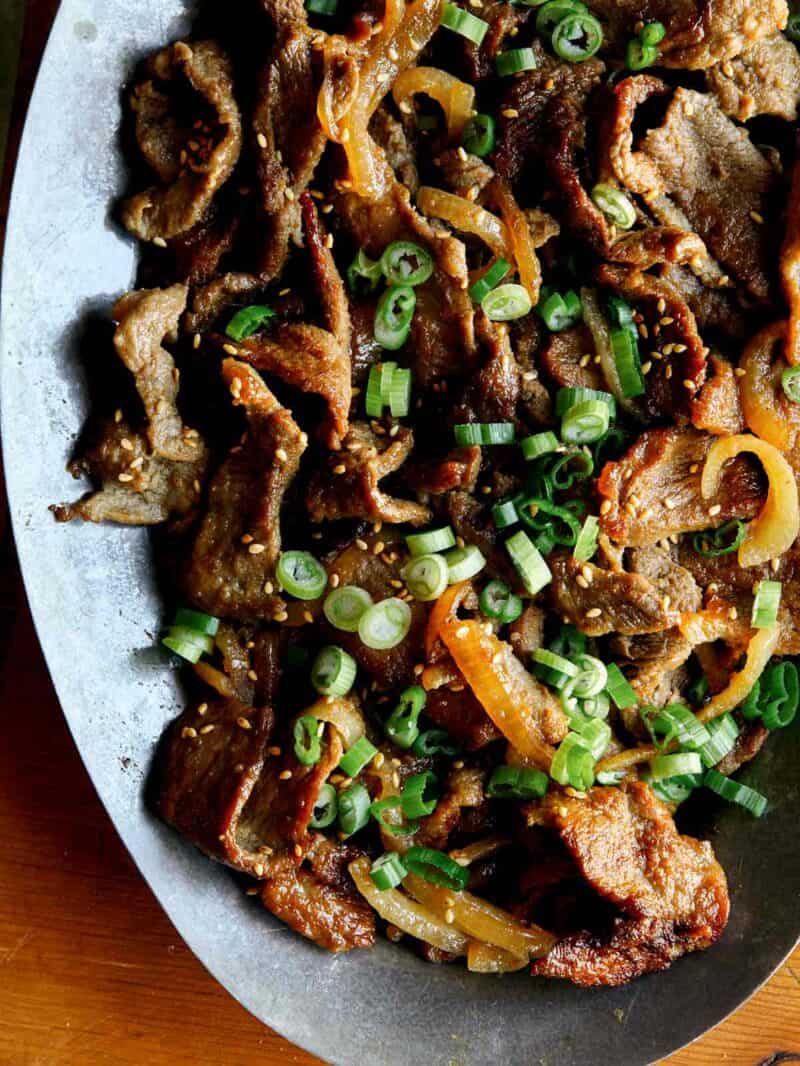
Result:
387,871
573,763
426,577
306,734
653,33
431,541
682,762
357,757
560,312
247,321
553,669
364,274
434,742
554,11
638,55
469,433
615,205
506,303
516,782
344,607
464,563
531,567
354,803
322,7
188,643
436,867
775,696
586,544
577,37
197,621
505,514
596,734
493,276
618,688
724,540
420,795
400,393
765,605
498,602
627,362
585,422
722,734
479,139
539,444
790,382
406,263
515,60
384,625
301,575
458,20
735,792
393,316
569,397
543,516
401,726
325,809
333,672
397,828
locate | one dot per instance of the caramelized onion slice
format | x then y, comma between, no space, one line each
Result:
344,715
395,907
444,610
759,651
775,527
455,97
767,411
520,240
466,217
484,958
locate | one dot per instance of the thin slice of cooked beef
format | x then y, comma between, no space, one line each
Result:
601,601
713,306
653,491
464,791
191,164
493,392
463,172
763,80
790,268
199,251
668,576
670,889
233,559
457,470
464,718
150,475
349,485
568,358
751,740
717,408
504,20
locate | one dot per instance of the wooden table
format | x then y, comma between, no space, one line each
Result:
91,970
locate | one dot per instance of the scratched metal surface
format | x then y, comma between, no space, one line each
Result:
94,601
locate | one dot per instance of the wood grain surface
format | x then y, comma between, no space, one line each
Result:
91,970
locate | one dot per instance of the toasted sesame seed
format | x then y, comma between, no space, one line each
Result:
118,416
669,503
757,218
244,723
125,477
605,506
159,242
334,580
449,916
581,581
678,348
252,675
510,112
715,510
594,612
462,155
694,468
188,733
281,455
661,306
258,869
339,468
280,616
256,549
647,367
229,348
308,616
284,775
361,544
274,750
378,547
201,710
328,242
733,614
668,373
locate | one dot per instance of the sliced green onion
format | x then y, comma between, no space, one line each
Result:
384,625
406,263
735,792
344,607
387,871
570,642
540,514
386,378
576,466
333,672
493,276
539,444
577,38
782,695
585,422
677,721
672,790
591,678
618,688
197,621
400,395
458,20
722,734
426,577
306,733
245,322
420,795
401,726
431,541
373,403
653,33
531,567
434,742
437,868
468,433
609,778
573,763
325,809
615,205
354,803
586,544
392,803
683,762
723,540
620,314
628,364
322,7
364,274
464,563
504,514
551,13
301,575
188,643
545,542
567,398
357,757
514,782
596,734
790,383
698,691
507,303
553,668
479,139
499,602
393,316
639,56
595,706
560,312
515,61
766,604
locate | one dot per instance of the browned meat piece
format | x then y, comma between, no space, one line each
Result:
464,790
604,601
226,575
365,351
390,134
146,477
353,492
494,390
210,300
504,20
189,175
527,633
716,407
568,358
660,680
699,32
748,744
199,251
720,180
458,470
442,334
472,521
668,576
763,80
462,172
669,888
464,718
790,268
654,489
714,308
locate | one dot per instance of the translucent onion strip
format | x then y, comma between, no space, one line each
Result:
466,217
520,240
485,958
759,651
406,913
775,528
455,97
344,715
767,411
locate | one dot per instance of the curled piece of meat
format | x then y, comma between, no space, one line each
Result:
668,576
191,164
717,407
349,486
763,80
653,491
568,358
464,718
790,269
146,476
458,470
237,546
670,889
600,601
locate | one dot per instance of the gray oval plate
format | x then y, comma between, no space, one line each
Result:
94,601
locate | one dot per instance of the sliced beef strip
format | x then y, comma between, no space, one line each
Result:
188,184
751,740
463,792
669,888
601,601
504,20
458,470
654,489
672,579
713,307
390,134
354,491
493,392
199,251
568,359
699,32
790,268
150,475
464,718
463,172
716,408
225,574
763,80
